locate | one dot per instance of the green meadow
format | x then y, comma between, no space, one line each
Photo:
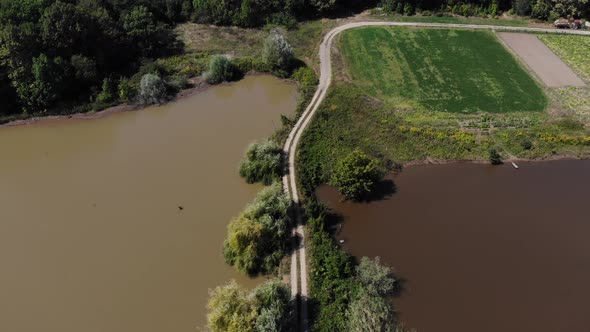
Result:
458,71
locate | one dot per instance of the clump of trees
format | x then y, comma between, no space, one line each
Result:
263,163
265,309
356,175
540,9
253,13
258,239
55,53
554,9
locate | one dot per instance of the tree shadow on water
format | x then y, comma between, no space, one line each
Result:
384,189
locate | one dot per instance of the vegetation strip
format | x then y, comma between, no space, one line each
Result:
290,180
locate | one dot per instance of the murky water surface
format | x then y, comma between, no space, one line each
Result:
91,235
482,248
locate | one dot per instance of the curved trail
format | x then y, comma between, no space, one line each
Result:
299,280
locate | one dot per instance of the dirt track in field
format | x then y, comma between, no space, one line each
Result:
548,66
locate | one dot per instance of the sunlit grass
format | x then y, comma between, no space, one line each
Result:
444,70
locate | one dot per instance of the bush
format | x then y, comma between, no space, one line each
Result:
247,64
306,77
263,163
266,308
495,158
106,94
258,239
526,144
277,52
220,70
125,90
151,90
356,175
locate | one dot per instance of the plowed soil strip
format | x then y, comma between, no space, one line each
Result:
548,66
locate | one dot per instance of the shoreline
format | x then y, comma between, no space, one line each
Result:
425,162
198,86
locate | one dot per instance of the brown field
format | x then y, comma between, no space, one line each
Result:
541,60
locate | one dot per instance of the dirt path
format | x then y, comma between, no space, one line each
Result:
299,274
542,61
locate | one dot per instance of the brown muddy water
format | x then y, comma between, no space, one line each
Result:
91,235
482,248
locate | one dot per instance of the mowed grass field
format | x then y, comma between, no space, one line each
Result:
458,71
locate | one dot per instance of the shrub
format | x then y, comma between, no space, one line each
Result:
125,90
263,163
231,309
247,64
151,89
306,77
369,309
495,158
277,52
220,70
356,175
258,239
106,94
526,144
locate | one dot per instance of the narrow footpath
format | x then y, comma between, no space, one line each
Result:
299,275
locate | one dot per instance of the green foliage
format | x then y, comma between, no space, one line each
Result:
44,85
356,175
126,91
541,9
220,70
107,94
370,309
495,158
85,72
266,308
523,7
375,278
440,70
263,163
277,52
55,53
331,282
151,89
370,313
258,239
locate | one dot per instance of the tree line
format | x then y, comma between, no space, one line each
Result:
59,54
63,53
538,9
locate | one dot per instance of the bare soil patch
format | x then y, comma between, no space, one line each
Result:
541,60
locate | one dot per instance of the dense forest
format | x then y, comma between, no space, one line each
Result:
539,9
56,55
59,56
